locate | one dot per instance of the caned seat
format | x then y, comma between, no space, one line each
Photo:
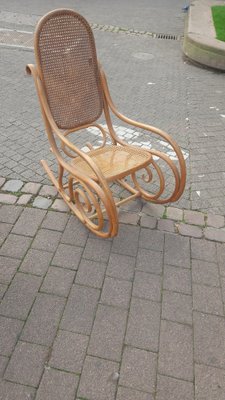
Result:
73,95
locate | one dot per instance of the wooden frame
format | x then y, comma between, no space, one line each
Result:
84,183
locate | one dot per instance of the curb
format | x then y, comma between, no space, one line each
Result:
200,44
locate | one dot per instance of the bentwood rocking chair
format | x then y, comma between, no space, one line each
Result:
73,94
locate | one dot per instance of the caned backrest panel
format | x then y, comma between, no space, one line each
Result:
67,62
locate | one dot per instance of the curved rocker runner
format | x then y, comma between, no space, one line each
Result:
73,94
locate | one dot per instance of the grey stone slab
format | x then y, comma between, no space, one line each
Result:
69,350
42,202
207,299
67,256
176,350
149,261
55,221
46,240
177,250
143,324
36,262
148,222
26,364
170,388
220,247
14,391
10,214
20,296
152,240
80,309
124,393
90,273
15,246
177,279
3,289
6,198
166,225
97,250
116,292
121,266
4,231
203,250
24,199
31,187
75,233
127,235
29,222
48,190
108,333
177,307
138,369
3,363
209,383
58,281
216,221
96,382
155,210
147,286
13,185
209,339
9,333
43,321
57,385
174,213
205,273
8,268
60,205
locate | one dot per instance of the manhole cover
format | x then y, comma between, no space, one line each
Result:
143,56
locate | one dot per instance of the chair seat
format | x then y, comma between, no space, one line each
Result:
115,162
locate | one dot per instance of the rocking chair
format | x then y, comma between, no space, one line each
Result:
73,94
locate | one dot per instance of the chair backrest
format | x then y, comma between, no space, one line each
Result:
67,64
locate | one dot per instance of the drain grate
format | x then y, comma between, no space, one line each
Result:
23,39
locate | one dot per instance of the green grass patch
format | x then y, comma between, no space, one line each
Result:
218,13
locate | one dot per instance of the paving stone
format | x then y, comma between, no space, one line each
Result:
8,267
15,246
29,222
155,210
31,187
216,221
42,202
177,307
170,388
166,225
205,273
3,289
58,281
126,393
90,273
127,235
220,249
13,185
147,286
176,350
14,391
177,251
149,261
26,364
143,324
209,339
150,239
48,190
97,250
4,231
7,198
148,222
116,292
215,234
55,221
127,217
190,230
209,383
43,320
67,256
75,233
108,333
3,363
46,240
9,333
60,205
194,217
174,213
69,350
138,369
207,299
121,267
20,296
2,181
177,279
10,214
57,385
80,309
203,250
24,199
96,381
36,262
